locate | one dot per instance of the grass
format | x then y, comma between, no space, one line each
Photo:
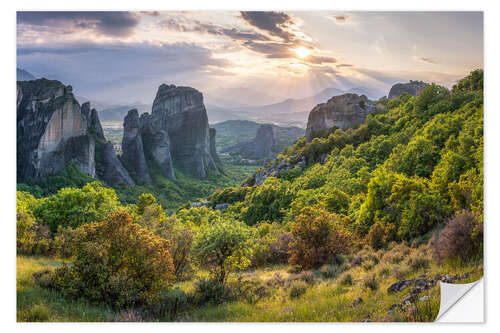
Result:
37,304
311,296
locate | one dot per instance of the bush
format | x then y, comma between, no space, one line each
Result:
461,238
63,244
248,289
346,279
267,202
371,282
307,276
418,261
167,304
72,207
271,246
381,234
317,239
298,288
224,247
117,262
208,291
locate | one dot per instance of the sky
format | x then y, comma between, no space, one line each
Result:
246,58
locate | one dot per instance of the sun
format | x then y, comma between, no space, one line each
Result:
302,52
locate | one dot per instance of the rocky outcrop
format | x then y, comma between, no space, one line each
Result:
157,145
108,166
343,111
213,150
180,112
413,88
132,148
258,148
276,169
51,130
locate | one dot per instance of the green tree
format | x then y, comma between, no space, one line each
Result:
71,207
224,247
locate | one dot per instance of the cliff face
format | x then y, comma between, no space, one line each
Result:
54,131
132,148
180,112
258,148
413,88
342,111
51,130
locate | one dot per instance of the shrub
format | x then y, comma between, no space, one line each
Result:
271,246
248,289
460,238
330,271
71,207
346,279
117,262
167,304
208,291
371,282
417,261
38,312
307,276
381,234
317,239
63,244
267,202
224,247
298,288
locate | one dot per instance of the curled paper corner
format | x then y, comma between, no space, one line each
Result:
461,302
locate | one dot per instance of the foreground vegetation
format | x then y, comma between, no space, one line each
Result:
366,231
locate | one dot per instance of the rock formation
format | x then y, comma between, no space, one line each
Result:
51,130
108,166
213,149
157,145
180,112
132,148
54,131
258,148
341,111
413,88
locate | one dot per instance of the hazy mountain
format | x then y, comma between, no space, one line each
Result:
233,132
23,75
118,112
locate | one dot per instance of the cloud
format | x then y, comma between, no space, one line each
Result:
184,25
119,70
275,23
116,24
426,60
271,50
321,59
344,65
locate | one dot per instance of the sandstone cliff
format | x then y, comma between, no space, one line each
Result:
413,88
132,148
51,130
54,131
108,166
258,148
341,111
180,112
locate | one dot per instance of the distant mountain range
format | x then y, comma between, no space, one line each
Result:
23,75
232,132
289,112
